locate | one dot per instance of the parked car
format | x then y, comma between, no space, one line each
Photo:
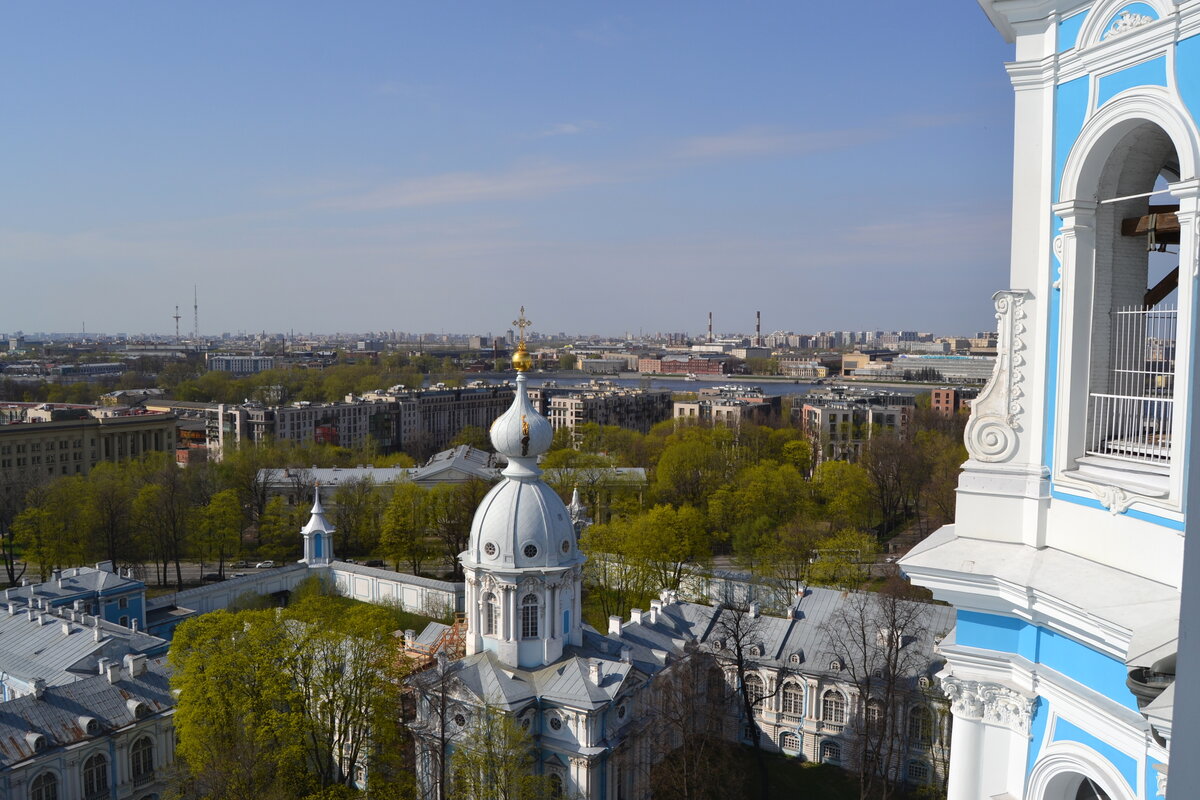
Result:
211,577
240,565
265,565
375,562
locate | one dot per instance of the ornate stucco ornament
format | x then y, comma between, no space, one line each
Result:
1125,22
991,433
989,702
1114,498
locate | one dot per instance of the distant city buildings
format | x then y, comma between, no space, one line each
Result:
603,404
239,364
839,423
42,440
728,405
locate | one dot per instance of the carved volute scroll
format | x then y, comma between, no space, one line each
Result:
991,433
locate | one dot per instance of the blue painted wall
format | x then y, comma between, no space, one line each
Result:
1062,654
1148,73
1066,732
1068,31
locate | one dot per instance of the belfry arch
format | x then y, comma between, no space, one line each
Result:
1126,321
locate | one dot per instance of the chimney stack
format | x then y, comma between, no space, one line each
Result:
710,333
758,329
614,625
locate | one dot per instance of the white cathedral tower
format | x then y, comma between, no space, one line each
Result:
1069,560
522,566
318,534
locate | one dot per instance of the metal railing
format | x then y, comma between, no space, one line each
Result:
1132,419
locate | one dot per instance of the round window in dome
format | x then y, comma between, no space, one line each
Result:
555,723
460,720
490,549
621,712
566,546
530,550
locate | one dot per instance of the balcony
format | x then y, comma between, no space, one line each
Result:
1129,423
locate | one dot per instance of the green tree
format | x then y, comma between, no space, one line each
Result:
495,761
750,508
474,436
110,492
451,508
278,531
280,704
403,537
668,543
356,516
798,453
51,530
239,730
844,559
845,490
221,528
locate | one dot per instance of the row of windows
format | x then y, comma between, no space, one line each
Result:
95,774
833,708
530,616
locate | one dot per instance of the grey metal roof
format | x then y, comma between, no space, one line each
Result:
779,637
42,649
75,582
57,714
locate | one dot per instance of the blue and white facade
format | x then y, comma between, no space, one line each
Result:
1066,561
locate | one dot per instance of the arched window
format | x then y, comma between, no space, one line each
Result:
95,777
918,772
920,726
833,707
1122,305
789,742
874,714
754,689
793,699
491,615
831,752
529,616
44,787
716,685
141,758
556,786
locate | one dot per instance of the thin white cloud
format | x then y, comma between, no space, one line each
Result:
472,187
566,129
768,141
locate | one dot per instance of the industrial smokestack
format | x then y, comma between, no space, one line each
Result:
758,329
710,336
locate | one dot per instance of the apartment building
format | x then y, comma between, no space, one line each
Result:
42,440
602,403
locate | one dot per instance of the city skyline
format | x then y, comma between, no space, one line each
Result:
413,168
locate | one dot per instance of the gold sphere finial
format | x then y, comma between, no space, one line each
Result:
522,361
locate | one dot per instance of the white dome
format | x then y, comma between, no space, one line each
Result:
521,523
521,432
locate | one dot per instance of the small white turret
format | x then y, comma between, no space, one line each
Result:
318,534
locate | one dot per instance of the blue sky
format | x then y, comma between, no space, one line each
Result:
428,166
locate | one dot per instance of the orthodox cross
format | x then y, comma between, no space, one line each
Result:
522,323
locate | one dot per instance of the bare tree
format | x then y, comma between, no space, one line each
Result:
876,638
739,643
692,759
